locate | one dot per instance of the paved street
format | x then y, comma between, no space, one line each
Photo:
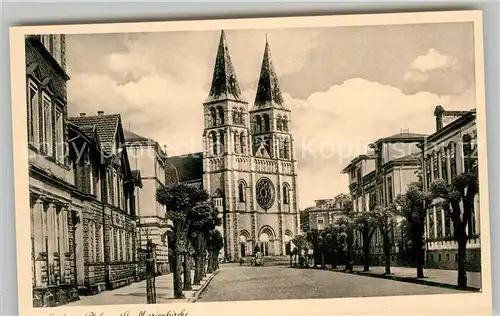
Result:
235,283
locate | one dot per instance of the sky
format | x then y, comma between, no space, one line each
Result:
346,86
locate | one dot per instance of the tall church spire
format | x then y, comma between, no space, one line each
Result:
268,90
224,83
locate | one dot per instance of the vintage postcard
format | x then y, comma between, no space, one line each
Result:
297,166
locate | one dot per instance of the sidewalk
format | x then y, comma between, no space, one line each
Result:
135,293
433,277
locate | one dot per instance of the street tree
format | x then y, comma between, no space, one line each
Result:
180,199
312,236
457,199
205,218
346,226
365,223
412,206
215,243
386,222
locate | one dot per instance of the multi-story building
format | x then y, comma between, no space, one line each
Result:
326,211
50,178
378,178
147,157
248,162
105,203
450,151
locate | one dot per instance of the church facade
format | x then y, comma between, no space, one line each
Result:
248,161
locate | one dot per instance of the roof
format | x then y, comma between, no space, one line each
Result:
131,136
189,167
357,159
409,158
268,89
464,119
402,136
106,127
225,85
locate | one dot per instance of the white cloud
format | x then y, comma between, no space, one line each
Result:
434,60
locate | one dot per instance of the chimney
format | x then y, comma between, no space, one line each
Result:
439,113
82,114
100,113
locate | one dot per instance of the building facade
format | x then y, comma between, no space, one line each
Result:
106,256
377,179
147,157
450,151
52,216
326,211
248,162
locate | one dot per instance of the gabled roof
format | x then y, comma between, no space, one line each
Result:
268,89
106,127
225,85
189,167
357,159
131,136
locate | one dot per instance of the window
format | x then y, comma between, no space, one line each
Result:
286,194
281,146
33,117
213,117
428,171
59,136
242,143
286,148
439,224
389,190
453,160
47,125
236,143
112,254
279,123
101,243
241,192
258,124
470,162
285,124
320,221
267,123
444,164
431,225
118,243
91,176
91,241
221,143
435,167
220,115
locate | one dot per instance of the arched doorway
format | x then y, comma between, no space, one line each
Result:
245,243
266,240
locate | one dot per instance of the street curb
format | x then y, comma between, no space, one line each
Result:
195,296
411,280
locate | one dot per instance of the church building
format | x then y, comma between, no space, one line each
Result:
248,161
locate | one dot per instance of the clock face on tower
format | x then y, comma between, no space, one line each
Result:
265,193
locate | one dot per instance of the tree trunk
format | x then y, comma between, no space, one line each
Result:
387,253
350,241
197,270
462,274
366,252
420,256
210,263
187,273
176,263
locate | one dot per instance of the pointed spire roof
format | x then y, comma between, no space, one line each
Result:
268,89
225,85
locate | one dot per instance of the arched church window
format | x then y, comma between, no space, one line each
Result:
267,123
281,146
242,143
235,116
213,117
242,117
220,115
279,123
221,142
286,148
258,124
237,145
241,191
212,139
284,124
286,193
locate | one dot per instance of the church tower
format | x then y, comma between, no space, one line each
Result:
248,163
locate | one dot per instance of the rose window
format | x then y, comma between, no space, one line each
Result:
265,193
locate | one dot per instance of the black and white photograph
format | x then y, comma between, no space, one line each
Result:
252,163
